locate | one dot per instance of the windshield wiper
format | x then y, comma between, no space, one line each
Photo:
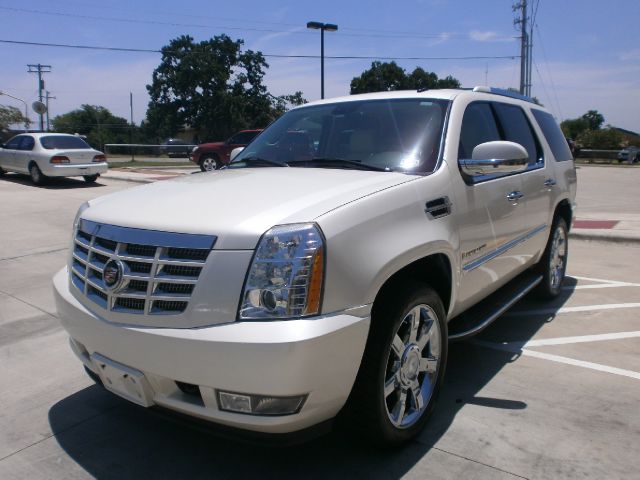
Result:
260,161
338,162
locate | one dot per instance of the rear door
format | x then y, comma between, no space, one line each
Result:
537,179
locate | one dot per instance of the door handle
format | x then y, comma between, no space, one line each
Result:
514,196
549,182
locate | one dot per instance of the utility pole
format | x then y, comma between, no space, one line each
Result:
40,69
131,129
522,22
47,98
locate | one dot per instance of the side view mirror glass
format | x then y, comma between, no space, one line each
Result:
495,158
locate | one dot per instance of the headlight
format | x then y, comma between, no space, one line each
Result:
286,276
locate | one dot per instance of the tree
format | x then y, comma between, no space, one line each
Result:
575,127
97,123
211,86
11,116
594,119
601,139
387,76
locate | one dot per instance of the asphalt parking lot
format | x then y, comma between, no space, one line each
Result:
548,391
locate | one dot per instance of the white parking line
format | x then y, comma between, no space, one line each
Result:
557,311
558,359
601,280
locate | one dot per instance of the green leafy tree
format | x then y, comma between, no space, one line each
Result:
213,87
601,139
10,116
594,119
97,123
387,76
573,128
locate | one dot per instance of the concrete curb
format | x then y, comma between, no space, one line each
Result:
127,179
598,237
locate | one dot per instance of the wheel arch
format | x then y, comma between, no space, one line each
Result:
434,270
564,210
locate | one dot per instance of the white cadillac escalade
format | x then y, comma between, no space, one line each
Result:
325,270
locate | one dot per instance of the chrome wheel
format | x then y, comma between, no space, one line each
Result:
412,366
557,258
208,164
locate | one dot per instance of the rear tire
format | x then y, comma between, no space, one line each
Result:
208,163
402,368
553,264
2,172
91,178
37,177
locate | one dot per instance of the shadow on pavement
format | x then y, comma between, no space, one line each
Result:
52,183
111,438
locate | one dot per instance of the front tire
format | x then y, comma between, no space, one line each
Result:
2,172
553,264
91,178
37,177
208,163
403,365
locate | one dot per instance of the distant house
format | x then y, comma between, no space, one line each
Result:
630,138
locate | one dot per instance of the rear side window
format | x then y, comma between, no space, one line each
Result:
27,143
553,134
478,126
63,142
516,128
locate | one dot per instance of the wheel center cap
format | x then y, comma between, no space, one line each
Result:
410,364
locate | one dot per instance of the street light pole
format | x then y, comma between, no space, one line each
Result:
330,27
26,118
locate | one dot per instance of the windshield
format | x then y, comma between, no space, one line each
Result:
393,134
63,142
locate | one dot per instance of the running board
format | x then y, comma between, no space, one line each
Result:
479,317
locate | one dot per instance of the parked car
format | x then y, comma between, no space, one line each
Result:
629,154
210,156
175,147
349,243
43,155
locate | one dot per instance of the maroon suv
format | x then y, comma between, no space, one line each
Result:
210,156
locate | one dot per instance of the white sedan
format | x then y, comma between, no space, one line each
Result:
43,155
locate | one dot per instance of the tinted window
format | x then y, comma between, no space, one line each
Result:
478,126
27,143
13,143
242,138
553,134
516,128
396,134
63,142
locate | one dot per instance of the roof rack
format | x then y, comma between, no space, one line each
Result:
503,92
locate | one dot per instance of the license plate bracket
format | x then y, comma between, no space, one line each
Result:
124,381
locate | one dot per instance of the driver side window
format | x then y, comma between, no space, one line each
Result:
13,143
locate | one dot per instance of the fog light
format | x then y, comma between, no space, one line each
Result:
259,404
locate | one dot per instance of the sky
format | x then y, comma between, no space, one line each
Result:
586,53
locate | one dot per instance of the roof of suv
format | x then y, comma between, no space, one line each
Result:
444,94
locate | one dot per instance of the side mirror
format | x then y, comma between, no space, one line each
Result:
495,158
235,152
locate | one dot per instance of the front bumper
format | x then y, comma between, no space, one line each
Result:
318,357
71,170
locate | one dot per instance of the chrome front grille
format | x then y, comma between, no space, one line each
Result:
158,270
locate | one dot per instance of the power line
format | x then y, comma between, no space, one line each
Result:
267,55
388,34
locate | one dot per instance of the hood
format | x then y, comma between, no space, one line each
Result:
238,205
